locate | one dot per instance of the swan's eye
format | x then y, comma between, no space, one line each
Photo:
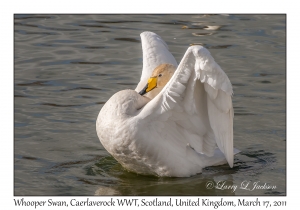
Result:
160,75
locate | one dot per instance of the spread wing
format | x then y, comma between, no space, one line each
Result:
195,107
155,52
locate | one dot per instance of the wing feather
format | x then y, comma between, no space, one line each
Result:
155,53
219,102
200,92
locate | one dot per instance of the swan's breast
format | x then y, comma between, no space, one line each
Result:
116,123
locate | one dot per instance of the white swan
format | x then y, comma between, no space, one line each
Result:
183,123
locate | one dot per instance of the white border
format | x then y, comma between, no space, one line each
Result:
8,9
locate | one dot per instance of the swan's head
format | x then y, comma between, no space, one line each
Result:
159,78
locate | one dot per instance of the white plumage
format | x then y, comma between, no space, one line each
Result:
187,126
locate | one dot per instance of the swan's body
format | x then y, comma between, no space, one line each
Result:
182,125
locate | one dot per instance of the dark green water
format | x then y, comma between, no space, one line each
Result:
67,66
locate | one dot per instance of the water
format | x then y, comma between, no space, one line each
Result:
67,66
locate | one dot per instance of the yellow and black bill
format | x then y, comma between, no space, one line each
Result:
151,84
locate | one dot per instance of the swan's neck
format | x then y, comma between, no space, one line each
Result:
126,103
151,94
141,101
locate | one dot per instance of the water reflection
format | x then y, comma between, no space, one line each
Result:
131,184
218,180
